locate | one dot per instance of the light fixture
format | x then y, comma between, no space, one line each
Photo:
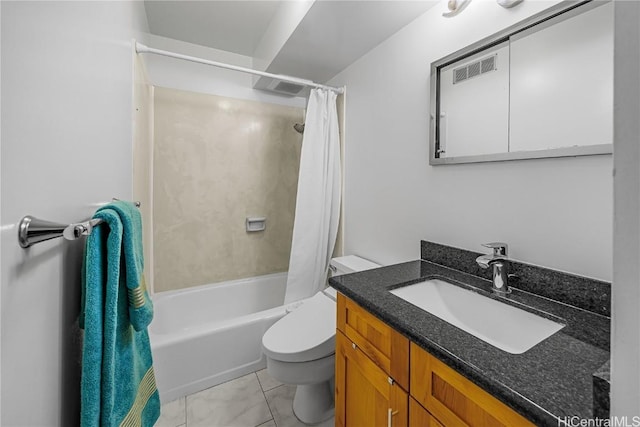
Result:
456,6
508,3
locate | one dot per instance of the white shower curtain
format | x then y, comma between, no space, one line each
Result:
318,202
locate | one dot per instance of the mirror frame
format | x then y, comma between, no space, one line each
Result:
569,8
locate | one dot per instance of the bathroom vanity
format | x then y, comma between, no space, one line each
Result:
399,365
381,377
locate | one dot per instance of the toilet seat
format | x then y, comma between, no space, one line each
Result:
307,333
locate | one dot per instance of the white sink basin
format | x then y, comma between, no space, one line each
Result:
501,325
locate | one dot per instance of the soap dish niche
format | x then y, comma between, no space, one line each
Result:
254,224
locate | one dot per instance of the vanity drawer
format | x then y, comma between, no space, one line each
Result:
364,396
453,399
381,343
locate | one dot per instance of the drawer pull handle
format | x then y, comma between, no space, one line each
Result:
390,415
390,380
353,345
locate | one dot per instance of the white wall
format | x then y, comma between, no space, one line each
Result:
184,75
0,216
282,25
66,146
625,321
552,212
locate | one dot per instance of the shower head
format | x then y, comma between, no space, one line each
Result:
299,127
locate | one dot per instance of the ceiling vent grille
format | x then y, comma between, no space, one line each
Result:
476,68
286,87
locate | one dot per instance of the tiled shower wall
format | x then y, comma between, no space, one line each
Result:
216,161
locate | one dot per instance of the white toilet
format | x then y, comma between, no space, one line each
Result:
300,347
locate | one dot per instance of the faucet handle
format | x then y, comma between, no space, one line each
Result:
499,248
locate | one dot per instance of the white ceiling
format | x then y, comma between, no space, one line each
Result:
332,35
235,26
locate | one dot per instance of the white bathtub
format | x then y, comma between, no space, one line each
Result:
210,334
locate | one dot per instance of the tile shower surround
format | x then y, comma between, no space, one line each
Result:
216,161
553,379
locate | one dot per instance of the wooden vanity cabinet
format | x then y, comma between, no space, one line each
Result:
385,346
372,370
376,366
454,400
364,394
420,417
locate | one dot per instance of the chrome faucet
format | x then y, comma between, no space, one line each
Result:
498,261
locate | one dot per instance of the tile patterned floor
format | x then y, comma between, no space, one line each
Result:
254,400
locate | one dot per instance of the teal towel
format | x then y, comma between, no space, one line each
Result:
118,384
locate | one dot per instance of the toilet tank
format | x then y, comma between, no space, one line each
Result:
344,265
349,264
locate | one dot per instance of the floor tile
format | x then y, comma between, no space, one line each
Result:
172,414
237,403
280,400
269,423
266,381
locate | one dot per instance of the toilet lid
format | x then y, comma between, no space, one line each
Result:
307,333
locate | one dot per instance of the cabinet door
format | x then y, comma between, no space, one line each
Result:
384,345
365,395
453,399
420,417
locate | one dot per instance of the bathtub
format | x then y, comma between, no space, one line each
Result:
206,335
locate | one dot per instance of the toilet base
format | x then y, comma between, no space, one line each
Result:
313,403
313,399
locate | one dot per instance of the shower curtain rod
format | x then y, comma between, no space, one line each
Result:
140,48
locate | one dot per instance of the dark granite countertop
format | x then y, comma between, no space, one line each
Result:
551,381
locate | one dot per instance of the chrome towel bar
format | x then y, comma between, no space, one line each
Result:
32,230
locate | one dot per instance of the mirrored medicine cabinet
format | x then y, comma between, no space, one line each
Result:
541,88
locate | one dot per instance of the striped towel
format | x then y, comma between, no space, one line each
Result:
118,385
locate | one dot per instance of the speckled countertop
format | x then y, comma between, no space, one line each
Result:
551,380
